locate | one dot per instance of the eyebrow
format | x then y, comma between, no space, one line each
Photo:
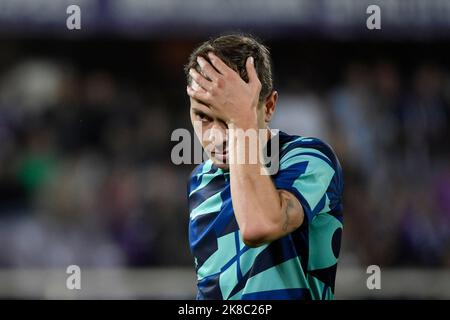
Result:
200,112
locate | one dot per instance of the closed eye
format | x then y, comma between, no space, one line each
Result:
202,116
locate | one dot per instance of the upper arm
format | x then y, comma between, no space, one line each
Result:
308,183
291,211
309,176
290,217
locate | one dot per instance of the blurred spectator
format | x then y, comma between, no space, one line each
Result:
86,177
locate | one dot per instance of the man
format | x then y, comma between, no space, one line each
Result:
256,235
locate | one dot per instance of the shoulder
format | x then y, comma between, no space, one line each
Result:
307,147
310,169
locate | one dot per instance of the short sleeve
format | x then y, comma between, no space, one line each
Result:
308,174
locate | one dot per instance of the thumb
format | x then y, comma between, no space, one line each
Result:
251,71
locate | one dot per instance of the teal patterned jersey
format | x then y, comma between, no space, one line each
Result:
300,265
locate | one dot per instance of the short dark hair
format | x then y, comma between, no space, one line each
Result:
234,49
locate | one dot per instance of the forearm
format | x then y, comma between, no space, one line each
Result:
257,203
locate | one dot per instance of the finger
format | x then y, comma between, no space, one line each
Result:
200,80
207,69
199,95
196,86
251,71
219,64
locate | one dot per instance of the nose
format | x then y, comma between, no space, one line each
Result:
217,135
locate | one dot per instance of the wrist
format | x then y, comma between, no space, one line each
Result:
248,122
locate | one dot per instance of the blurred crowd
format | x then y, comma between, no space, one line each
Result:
86,176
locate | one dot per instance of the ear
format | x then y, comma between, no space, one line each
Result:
270,106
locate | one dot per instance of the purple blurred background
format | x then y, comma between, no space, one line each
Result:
86,118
